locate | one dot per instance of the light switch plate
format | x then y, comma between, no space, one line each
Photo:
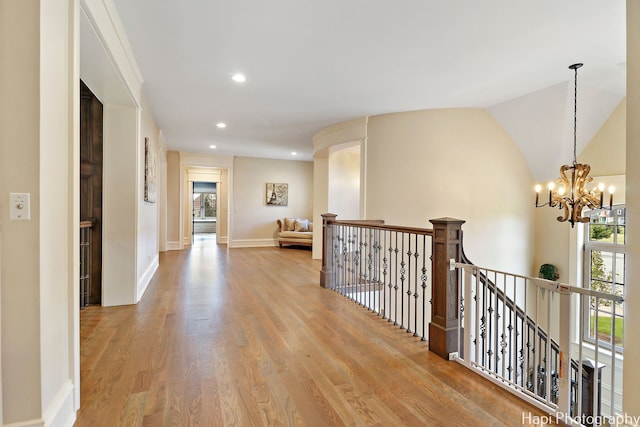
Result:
19,206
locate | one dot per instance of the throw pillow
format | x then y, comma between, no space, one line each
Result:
301,225
289,224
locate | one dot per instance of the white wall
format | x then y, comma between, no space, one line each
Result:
320,199
222,225
334,136
606,151
57,99
344,181
162,195
254,222
148,224
38,145
173,201
453,163
119,205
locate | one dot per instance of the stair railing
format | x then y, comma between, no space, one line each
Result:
504,331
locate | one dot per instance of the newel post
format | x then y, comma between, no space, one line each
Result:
326,274
446,244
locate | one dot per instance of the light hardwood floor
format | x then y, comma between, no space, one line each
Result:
246,337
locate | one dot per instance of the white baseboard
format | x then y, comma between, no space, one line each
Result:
253,243
223,240
60,412
174,246
31,423
144,281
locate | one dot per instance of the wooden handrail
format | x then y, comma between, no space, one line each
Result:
379,224
87,223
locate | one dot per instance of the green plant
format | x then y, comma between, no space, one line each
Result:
600,232
548,272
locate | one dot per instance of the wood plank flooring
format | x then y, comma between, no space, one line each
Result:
247,337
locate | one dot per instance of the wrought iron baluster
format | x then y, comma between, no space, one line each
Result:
346,259
391,275
375,270
369,247
415,288
504,358
385,265
395,287
337,244
493,326
403,276
357,270
423,278
409,293
521,353
483,324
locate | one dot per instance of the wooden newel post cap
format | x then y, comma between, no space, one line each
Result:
328,216
447,220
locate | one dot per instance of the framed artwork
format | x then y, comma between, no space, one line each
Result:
150,188
277,194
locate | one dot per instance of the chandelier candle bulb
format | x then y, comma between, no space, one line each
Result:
537,188
611,190
601,188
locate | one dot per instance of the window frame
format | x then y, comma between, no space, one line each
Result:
615,248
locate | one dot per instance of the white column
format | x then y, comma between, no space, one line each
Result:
631,399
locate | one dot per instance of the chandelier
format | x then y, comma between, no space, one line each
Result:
569,192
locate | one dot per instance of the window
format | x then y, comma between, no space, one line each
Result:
204,205
605,272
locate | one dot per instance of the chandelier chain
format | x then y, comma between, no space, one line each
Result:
575,113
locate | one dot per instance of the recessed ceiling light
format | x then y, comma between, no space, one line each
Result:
221,125
293,153
212,146
239,78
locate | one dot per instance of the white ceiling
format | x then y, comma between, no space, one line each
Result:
311,64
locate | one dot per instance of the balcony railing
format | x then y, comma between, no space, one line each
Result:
85,262
384,269
522,333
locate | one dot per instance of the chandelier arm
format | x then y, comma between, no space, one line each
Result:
563,205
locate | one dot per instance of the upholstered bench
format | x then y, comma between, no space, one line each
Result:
295,231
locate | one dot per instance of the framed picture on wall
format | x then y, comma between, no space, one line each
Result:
277,194
150,188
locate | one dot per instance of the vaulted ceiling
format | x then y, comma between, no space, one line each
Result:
310,64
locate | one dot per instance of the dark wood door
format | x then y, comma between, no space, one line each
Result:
91,182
